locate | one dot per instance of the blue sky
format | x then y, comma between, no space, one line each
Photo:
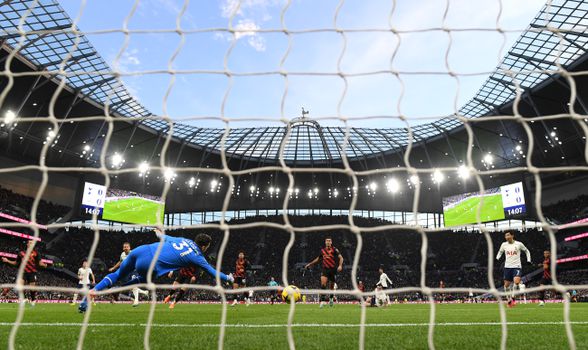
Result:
193,94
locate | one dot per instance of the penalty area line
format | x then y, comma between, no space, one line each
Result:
296,325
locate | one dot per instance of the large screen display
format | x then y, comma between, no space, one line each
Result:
133,207
121,205
499,203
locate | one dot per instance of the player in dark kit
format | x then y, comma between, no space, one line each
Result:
332,262
185,275
442,295
30,271
188,275
241,267
546,279
361,288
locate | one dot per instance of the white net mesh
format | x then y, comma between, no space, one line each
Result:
41,37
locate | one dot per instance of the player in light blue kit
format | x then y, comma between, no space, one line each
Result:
176,252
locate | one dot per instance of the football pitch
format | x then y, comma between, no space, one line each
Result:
134,211
195,326
466,211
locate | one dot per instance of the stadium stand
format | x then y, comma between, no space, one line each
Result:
449,251
20,206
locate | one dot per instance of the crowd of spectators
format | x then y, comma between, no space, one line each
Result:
453,200
20,206
567,210
116,193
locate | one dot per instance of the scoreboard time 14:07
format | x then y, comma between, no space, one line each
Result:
93,198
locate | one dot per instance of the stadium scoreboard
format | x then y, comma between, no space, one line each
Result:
93,198
513,199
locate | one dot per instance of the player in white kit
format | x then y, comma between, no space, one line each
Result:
384,283
84,274
126,251
523,288
512,264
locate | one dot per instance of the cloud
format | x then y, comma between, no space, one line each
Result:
245,29
131,57
257,42
222,36
128,60
228,7
249,14
248,8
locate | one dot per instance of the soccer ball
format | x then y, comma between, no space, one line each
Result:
291,293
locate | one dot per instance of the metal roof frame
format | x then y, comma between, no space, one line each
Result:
552,40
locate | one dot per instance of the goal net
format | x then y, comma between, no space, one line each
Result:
414,135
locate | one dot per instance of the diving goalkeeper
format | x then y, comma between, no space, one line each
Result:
176,253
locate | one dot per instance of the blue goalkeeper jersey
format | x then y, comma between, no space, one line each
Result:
178,252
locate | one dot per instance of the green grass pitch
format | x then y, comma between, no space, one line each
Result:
465,212
191,326
134,211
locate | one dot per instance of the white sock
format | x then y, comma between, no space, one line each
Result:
144,292
75,298
136,294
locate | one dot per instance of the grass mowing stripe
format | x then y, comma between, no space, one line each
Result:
297,325
261,327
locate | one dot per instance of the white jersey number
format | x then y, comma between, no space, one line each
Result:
181,246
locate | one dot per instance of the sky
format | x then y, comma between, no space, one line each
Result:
422,91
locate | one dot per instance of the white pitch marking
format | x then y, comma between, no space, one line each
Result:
297,325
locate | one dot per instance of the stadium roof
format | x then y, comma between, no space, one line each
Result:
554,38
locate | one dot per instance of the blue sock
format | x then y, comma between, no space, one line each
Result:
105,283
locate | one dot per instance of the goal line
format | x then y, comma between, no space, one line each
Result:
295,325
